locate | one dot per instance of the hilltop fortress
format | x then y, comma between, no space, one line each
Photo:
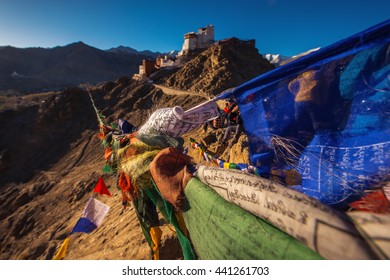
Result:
200,40
193,42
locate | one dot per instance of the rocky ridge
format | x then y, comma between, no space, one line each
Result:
227,64
28,70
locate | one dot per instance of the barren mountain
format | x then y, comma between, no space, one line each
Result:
128,50
51,158
38,69
229,63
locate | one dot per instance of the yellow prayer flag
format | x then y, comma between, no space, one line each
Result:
62,251
156,233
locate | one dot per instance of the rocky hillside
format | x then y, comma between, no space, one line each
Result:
227,64
39,69
51,158
50,161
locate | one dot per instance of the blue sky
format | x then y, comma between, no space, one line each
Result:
287,27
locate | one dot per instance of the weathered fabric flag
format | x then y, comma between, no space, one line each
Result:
375,228
175,121
92,216
101,187
326,231
61,253
325,115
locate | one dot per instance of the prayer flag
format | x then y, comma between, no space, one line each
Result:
62,250
92,216
101,187
107,169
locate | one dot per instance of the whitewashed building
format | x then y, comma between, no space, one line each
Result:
166,61
200,40
205,36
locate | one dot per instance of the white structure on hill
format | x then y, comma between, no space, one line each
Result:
166,61
200,40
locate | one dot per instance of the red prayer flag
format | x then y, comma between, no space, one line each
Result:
101,187
375,201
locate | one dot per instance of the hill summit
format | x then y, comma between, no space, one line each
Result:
226,64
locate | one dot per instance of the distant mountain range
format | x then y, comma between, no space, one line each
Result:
38,69
128,50
278,59
25,70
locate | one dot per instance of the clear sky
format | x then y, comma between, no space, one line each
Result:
287,27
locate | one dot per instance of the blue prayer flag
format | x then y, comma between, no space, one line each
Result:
327,115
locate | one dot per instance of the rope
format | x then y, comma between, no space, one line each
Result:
101,119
